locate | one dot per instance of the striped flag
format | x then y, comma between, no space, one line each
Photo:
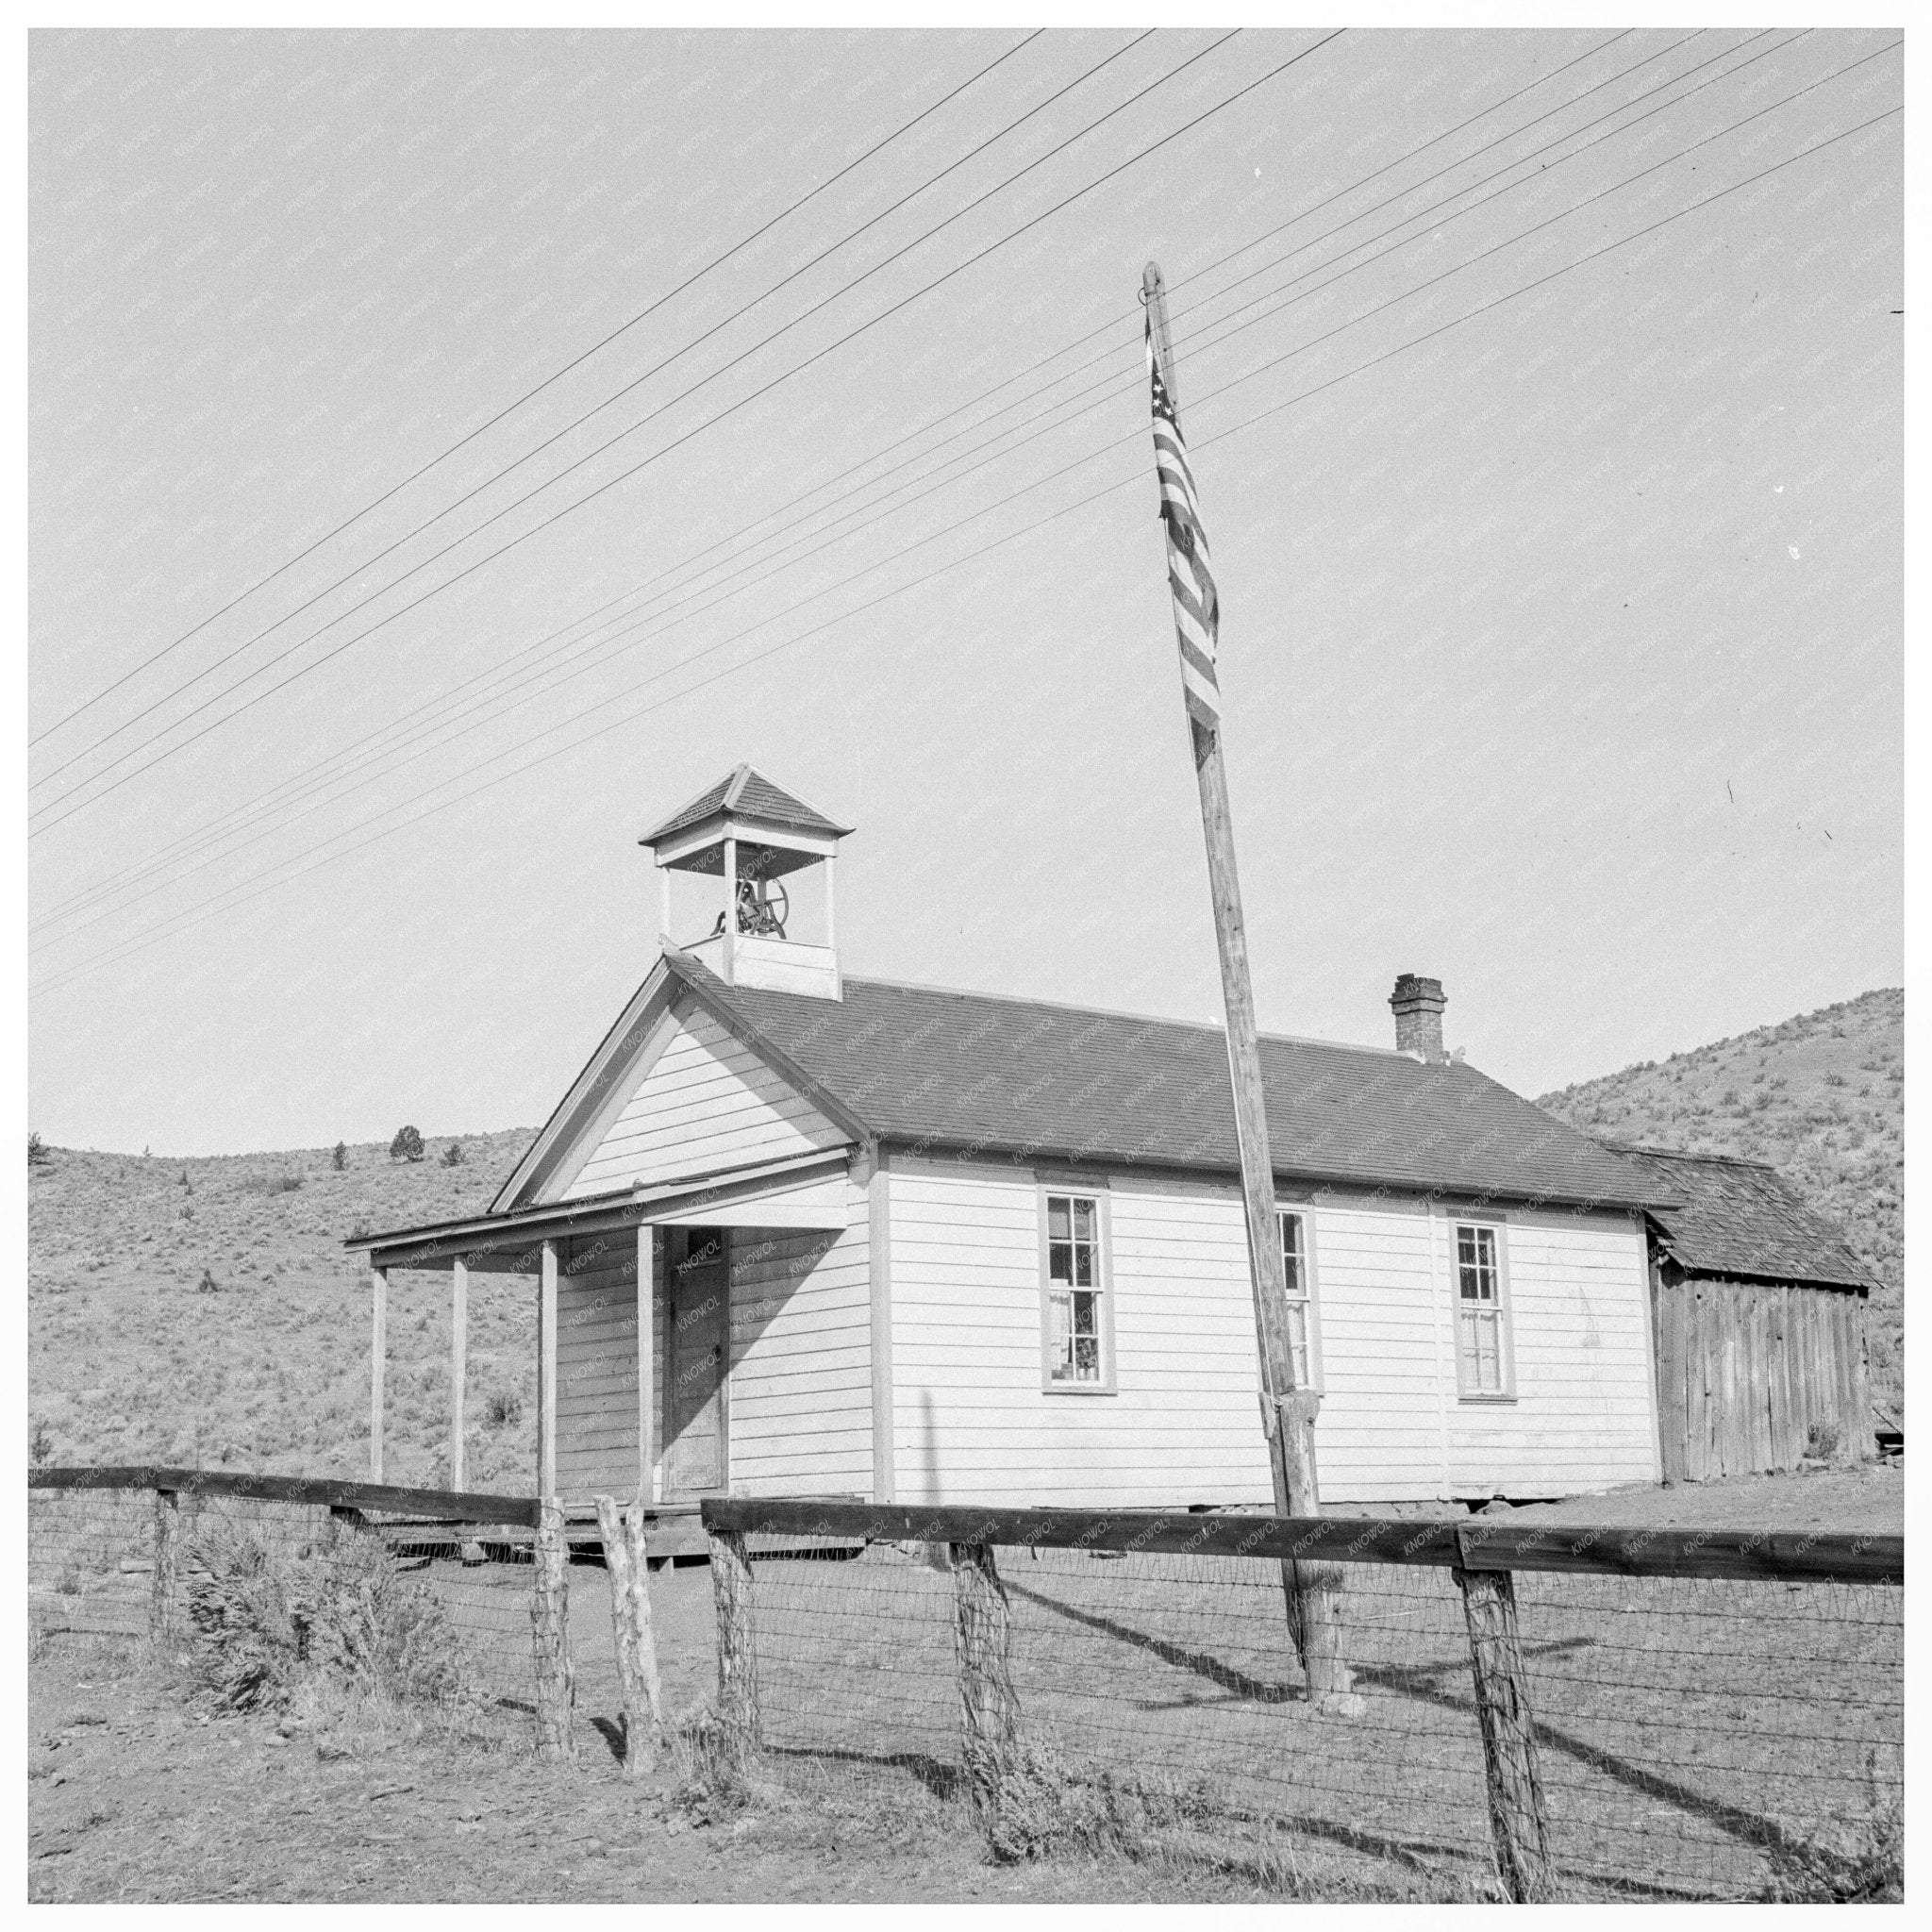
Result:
1196,604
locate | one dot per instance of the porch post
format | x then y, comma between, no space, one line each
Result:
664,929
730,909
647,1491
378,1353
459,1365
831,929
546,1373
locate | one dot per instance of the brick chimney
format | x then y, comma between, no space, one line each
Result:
1418,1004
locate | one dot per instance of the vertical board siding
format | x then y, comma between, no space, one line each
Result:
1762,1362
1584,1412
801,1361
597,1368
705,1104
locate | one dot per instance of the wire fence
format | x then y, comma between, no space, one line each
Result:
1550,1712
247,1575
1685,1735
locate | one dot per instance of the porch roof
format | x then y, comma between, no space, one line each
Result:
801,1193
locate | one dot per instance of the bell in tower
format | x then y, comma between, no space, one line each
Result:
752,835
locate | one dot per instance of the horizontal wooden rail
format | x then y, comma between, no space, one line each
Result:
1484,1544
450,1506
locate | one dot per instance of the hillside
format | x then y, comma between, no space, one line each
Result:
1821,1097
131,1359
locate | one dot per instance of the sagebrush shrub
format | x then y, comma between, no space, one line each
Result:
266,1620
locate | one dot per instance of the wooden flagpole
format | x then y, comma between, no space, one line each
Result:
1287,1413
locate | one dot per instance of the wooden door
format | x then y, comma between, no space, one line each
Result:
695,1459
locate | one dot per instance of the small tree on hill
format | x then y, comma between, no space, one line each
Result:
408,1145
340,1157
37,1156
453,1155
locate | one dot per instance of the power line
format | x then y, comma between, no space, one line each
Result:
770,567
497,476
167,928
1244,248
710,422
530,395
1420,147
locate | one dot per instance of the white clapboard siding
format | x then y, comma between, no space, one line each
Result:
801,1361
597,1370
971,1421
1380,1439
1584,1415
704,1105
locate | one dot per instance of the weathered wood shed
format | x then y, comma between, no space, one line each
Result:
1759,1310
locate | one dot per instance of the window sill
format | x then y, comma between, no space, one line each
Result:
1077,1388
1487,1400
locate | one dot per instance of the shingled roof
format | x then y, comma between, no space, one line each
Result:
974,1071
1739,1217
746,793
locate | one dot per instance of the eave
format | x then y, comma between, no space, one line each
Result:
508,1243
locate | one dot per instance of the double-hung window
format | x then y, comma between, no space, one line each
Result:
1300,1287
1078,1345
1482,1337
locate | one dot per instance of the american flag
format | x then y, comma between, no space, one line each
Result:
1196,604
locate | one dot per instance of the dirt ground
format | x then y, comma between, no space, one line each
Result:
137,1792
140,1790
1868,1498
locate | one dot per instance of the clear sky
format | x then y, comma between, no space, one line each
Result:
1562,646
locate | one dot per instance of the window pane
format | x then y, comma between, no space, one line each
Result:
1481,1350
1074,1346
1086,1338
1060,1347
1298,1341
1476,1263
1292,1253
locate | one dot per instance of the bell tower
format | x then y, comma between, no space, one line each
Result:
752,835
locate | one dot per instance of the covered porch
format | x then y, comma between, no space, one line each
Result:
636,1295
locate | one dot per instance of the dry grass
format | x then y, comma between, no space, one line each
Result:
336,1622
130,1361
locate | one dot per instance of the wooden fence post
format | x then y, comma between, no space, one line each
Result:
161,1620
630,1620
989,1712
557,1688
738,1658
1517,1823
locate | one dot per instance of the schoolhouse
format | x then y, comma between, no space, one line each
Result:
795,1231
